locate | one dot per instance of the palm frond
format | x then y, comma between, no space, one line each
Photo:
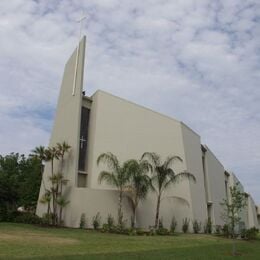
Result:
109,178
185,175
154,158
109,159
170,160
179,199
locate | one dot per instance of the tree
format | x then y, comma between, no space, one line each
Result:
116,177
40,153
54,194
138,183
163,176
232,208
62,149
20,179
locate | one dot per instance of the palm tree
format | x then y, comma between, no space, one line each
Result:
164,176
51,153
46,199
62,148
39,152
62,202
139,183
116,177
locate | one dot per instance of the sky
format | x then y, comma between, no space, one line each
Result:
196,61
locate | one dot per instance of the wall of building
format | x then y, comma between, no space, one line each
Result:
252,213
216,186
193,159
128,130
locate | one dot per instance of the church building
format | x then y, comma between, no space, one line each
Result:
106,123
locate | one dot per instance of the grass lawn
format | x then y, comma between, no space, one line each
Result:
32,242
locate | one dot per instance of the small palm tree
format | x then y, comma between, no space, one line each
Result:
139,183
116,177
51,153
164,176
62,148
39,152
62,202
46,199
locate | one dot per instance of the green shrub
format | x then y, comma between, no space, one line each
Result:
208,226
196,226
225,230
162,231
27,218
173,225
160,225
218,229
185,225
249,234
96,221
110,221
82,223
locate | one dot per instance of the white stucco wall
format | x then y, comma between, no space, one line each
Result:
129,130
216,181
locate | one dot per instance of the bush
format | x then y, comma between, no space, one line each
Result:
162,231
173,225
196,226
27,218
110,222
250,234
46,219
160,225
82,223
208,226
218,230
185,225
96,221
225,230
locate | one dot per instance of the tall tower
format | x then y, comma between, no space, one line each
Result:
67,122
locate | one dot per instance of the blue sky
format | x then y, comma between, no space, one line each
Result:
197,61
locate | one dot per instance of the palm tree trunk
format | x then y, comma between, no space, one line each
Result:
60,217
134,224
120,220
157,211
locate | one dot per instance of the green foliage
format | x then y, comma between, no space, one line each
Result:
96,221
82,223
54,194
117,177
225,230
185,225
250,234
160,225
208,226
196,226
110,221
20,179
27,218
163,176
218,229
233,207
138,183
173,225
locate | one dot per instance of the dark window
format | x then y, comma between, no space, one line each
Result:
83,138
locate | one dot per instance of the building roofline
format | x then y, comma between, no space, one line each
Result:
133,103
